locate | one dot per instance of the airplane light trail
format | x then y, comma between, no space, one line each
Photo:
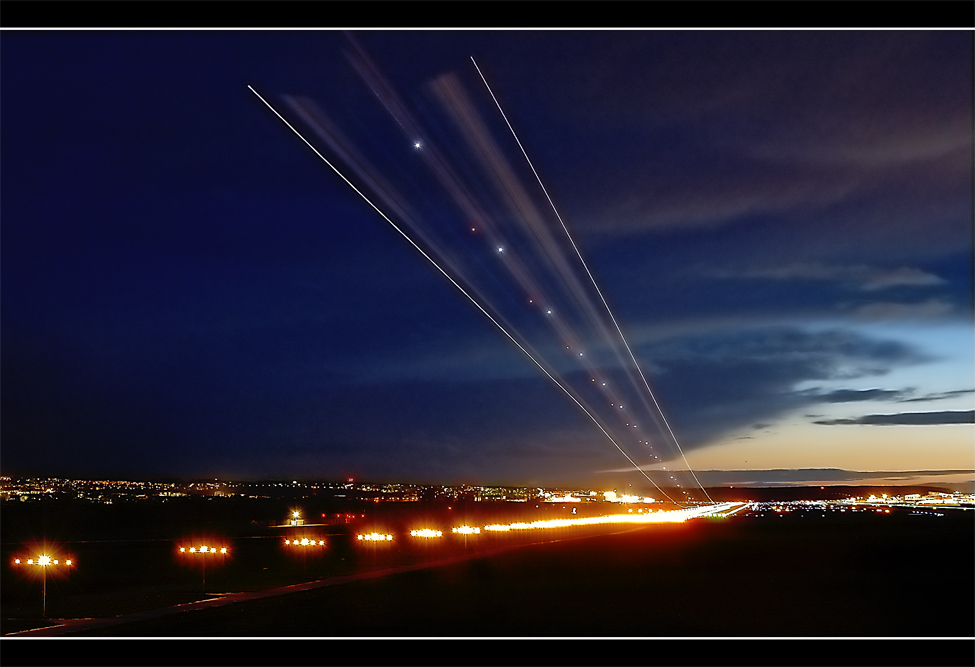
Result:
589,273
462,290
660,516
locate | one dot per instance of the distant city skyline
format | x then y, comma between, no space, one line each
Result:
780,221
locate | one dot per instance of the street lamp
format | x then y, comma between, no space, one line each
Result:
303,545
426,535
466,530
374,538
43,562
204,551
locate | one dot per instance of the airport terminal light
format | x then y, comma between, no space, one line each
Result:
44,562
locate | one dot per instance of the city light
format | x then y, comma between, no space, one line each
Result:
466,530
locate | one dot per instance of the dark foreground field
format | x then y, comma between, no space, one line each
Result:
805,575
732,578
798,575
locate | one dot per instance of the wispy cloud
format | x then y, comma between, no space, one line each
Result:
887,310
907,419
863,277
721,382
852,395
940,396
818,476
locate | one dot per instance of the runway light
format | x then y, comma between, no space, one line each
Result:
375,537
426,532
45,563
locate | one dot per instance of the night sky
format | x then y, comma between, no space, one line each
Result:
779,221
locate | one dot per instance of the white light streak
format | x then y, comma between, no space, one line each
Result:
598,291
461,289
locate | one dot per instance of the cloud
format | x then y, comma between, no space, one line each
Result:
886,310
907,419
719,383
903,276
847,141
852,395
938,396
819,476
863,277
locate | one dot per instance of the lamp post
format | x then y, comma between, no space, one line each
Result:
304,544
426,534
44,561
466,530
204,551
374,538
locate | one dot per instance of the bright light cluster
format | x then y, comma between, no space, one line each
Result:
567,498
674,516
466,530
43,561
426,532
204,550
305,542
375,537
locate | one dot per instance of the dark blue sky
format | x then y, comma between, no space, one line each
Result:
780,221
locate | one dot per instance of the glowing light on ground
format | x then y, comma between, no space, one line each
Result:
661,516
426,532
305,542
375,537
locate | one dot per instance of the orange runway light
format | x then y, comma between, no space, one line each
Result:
305,542
426,532
375,537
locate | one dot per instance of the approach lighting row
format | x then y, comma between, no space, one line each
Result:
43,561
203,550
